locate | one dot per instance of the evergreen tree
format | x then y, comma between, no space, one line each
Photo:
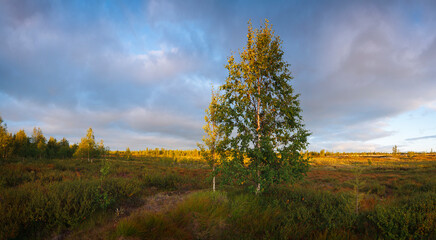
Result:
52,148
260,116
64,149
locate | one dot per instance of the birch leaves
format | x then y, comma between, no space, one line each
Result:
259,116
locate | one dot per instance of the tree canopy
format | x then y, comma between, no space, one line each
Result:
260,116
87,146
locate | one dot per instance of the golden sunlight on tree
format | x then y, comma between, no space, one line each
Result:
87,146
212,136
260,115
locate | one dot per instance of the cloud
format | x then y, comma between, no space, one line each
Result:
143,70
420,138
371,68
155,127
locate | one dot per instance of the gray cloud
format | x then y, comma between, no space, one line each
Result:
143,71
420,138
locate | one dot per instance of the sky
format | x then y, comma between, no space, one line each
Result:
140,72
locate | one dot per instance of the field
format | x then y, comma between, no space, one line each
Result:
343,196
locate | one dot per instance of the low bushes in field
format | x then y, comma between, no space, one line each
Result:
33,210
285,214
38,197
407,218
171,181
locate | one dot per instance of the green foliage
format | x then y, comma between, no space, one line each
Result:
162,181
410,218
357,183
5,141
88,148
36,146
260,115
22,147
103,196
39,196
33,208
285,214
212,138
201,216
39,142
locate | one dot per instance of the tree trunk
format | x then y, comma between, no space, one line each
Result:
258,135
258,184
213,180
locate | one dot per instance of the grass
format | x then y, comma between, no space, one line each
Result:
279,215
395,198
42,197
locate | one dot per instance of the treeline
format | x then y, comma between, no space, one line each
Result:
324,153
158,152
37,146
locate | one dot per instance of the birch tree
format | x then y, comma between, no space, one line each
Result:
5,141
87,146
260,116
39,142
211,137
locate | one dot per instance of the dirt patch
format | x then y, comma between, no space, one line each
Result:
162,201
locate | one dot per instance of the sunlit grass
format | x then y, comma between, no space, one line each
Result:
395,200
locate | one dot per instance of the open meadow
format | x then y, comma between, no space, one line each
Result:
343,196
211,119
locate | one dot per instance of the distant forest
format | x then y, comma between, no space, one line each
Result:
20,145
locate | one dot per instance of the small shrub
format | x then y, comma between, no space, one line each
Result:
413,218
162,181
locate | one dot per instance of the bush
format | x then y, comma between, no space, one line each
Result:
291,213
216,215
413,218
32,210
162,181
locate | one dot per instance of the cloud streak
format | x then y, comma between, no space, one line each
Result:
421,138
